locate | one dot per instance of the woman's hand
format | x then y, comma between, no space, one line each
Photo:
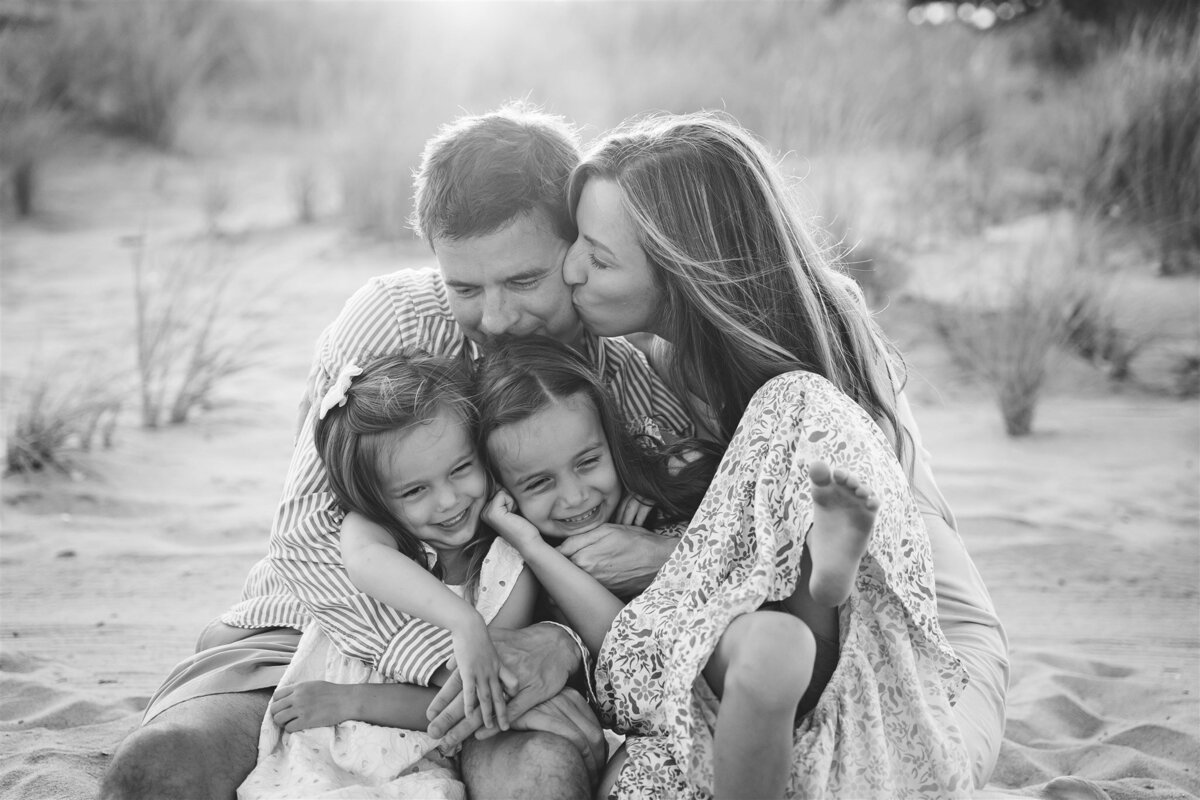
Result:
501,514
484,676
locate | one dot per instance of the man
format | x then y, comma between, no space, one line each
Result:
490,199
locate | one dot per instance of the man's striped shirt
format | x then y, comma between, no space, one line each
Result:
302,574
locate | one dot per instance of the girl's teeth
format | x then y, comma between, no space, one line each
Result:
579,518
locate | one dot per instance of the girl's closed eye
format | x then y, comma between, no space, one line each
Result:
536,485
597,263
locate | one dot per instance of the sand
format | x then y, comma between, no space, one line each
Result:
1087,533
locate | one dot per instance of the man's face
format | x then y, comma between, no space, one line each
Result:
510,282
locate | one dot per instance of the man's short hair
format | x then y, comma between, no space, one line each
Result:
481,172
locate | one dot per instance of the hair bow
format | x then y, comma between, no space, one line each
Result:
336,396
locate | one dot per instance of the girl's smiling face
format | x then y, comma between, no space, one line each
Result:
558,467
434,482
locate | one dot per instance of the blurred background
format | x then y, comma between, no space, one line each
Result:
1017,181
190,189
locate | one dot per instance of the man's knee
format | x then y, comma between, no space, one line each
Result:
201,748
156,761
527,764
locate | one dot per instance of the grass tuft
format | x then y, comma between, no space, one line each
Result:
57,420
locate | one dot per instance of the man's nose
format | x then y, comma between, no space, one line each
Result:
497,318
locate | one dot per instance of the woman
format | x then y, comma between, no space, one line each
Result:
687,232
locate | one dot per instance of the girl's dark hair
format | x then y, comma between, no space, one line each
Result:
516,378
394,393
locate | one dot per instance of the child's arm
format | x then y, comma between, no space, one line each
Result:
517,611
376,567
316,704
590,607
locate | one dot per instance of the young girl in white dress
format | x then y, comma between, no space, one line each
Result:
397,440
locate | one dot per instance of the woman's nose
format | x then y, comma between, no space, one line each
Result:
575,265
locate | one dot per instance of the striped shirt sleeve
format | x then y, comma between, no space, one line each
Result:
305,549
640,392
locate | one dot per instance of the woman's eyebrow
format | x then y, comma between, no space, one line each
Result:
597,244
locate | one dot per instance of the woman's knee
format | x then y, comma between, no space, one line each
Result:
772,658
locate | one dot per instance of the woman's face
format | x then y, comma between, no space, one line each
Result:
612,281
558,467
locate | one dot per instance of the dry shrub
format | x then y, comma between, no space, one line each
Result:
30,138
1186,375
1148,166
60,416
376,168
1095,331
185,341
132,66
1008,335
31,125
1055,42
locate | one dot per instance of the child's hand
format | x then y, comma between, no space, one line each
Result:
632,511
501,514
311,704
483,675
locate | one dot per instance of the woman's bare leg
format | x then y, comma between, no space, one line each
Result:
760,669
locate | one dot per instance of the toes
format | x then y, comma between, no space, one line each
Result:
819,474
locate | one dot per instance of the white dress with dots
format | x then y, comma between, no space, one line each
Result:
357,759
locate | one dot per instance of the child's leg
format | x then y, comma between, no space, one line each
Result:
843,516
760,669
822,621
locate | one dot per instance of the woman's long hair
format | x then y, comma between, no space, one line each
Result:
750,292
516,378
394,394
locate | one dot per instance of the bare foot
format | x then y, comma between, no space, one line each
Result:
843,516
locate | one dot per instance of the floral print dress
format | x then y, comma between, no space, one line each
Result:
883,727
